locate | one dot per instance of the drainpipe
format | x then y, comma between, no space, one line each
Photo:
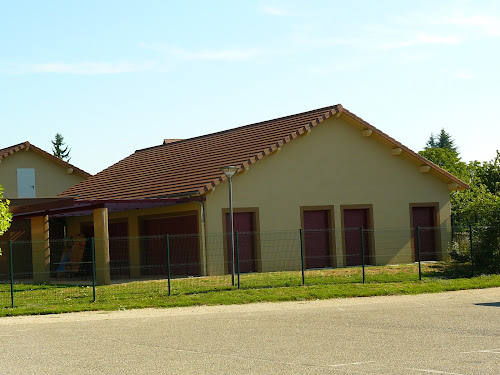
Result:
203,238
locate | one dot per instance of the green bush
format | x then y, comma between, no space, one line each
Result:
487,254
460,248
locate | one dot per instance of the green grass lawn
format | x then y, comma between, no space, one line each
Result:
255,287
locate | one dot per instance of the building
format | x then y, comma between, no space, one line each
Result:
30,175
326,171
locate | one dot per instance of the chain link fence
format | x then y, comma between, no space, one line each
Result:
71,269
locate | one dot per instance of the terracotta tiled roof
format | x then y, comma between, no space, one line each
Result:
7,151
191,166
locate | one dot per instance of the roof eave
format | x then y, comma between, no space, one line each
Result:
461,185
27,146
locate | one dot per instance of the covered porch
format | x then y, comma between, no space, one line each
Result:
127,237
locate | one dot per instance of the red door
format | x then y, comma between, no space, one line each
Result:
244,225
118,249
354,219
183,246
424,218
316,239
119,263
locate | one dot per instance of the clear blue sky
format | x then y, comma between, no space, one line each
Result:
116,76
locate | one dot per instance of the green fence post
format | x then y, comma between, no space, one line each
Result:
92,245
418,255
11,275
168,264
471,242
362,252
302,260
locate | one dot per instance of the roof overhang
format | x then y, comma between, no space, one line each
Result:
67,207
26,146
454,183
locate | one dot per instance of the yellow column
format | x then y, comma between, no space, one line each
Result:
40,249
202,239
134,246
101,243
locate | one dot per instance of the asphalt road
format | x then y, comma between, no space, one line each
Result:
449,333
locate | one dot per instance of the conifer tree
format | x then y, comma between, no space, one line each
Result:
445,141
442,140
58,149
431,143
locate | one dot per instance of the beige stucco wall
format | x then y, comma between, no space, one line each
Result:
50,177
333,165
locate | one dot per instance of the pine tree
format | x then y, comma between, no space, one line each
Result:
58,149
445,141
442,140
431,143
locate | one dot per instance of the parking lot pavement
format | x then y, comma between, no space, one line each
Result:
448,333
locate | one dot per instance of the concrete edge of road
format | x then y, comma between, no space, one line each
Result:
488,294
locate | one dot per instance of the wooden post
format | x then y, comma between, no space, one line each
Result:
101,236
40,248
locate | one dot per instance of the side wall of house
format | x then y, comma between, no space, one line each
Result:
333,165
50,178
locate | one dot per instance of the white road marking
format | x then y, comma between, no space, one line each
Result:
351,364
495,351
435,371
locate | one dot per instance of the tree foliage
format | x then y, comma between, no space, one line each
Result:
443,140
58,149
447,159
5,215
480,204
488,173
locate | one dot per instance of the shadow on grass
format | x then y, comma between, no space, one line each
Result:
448,270
32,287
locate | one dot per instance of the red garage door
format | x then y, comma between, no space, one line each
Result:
183,244
244,225
316,239
118,249
353,220
424,217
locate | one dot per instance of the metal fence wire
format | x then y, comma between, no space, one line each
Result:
176,264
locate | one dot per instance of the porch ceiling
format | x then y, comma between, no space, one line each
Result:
67,207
